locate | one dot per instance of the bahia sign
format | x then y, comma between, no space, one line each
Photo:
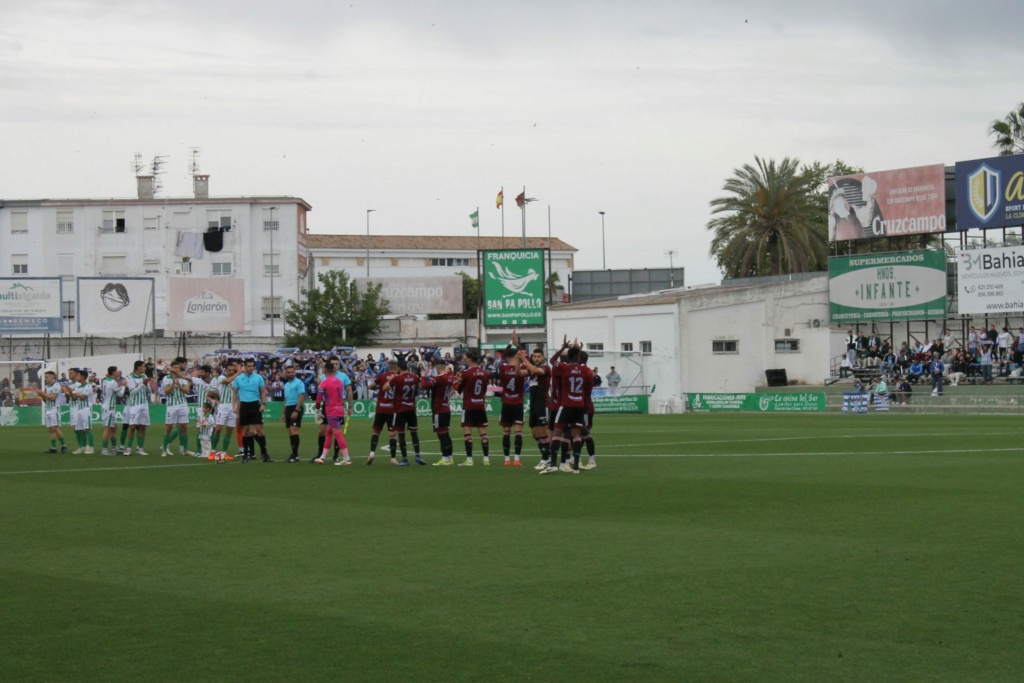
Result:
206,305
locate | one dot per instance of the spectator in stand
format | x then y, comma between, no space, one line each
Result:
845,368
872,360
992,335
597,378
1019,356
973,341
277,388
903,393
915,372
985,361
614,380
1004,340
888,364
948,340
852,346
937,369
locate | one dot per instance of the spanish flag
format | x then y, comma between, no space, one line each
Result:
500,199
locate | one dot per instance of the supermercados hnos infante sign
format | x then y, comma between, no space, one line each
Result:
881,287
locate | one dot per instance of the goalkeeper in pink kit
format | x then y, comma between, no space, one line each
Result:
335,393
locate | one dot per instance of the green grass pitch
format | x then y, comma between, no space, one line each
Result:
703,548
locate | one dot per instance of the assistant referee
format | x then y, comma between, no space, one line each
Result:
250,401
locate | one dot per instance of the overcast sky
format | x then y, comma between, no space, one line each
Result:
423,109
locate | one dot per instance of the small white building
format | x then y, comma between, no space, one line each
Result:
714,339
264,243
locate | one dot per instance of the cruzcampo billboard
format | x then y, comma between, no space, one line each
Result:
514,288
880,287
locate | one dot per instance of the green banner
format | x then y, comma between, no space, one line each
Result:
883,287
761,403
514,288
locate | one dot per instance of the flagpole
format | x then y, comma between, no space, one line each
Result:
525,202
479,283
502,216
550,272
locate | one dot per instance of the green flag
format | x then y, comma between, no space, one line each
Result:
475,217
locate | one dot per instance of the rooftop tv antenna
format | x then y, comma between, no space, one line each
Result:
193,161
157,169
137,166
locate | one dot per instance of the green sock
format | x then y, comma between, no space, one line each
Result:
140,440
184,441
104,444
124,436
53,443
62,442
90,438
80,438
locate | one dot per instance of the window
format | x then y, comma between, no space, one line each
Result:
19,221
184,267
65,222
645,347
725,346
151,267
270,220
453,262
221,268
272,265
271,307
787,345
113,265
19,264
595,350
218,218
151,223
66,267
627,347
67,310
113,221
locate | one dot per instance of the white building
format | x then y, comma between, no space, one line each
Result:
264,243
715,339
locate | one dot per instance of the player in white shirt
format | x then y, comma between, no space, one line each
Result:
226,419
111,388
79,394
51,411
138,388
176,386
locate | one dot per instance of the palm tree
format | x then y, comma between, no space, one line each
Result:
766,224
1009,132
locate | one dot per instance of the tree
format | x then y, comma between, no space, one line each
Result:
766,224
334,312
1009,132
470,301
551,287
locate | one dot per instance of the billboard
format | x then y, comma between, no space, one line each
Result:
30,305
905,201
419,295
885,287
990,281
115,306
206,304
514,287
990,192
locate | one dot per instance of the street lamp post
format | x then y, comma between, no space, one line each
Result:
604,263
671,270
368,212
273,229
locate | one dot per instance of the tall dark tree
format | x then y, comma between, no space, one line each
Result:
335,312
766,223
1009,132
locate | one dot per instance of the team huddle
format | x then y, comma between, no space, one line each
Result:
560,409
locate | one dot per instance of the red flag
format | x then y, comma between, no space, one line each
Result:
521,199
500,200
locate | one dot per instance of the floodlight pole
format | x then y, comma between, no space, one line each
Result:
368,212
604,262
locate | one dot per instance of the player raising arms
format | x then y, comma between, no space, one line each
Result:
540,408
473,385
51,411
385,406
512,377
441,384
570,418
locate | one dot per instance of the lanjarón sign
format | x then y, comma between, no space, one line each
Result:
880,287
514,287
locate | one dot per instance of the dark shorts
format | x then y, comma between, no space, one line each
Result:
249,414
406,418
539,415
381,420
442,421
474,418
290,421
570,417
511,414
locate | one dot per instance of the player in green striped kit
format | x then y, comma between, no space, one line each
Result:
137,408
206,391
111,388
176,386
79,394
51,411
226,418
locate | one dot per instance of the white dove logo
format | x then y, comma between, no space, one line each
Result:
515,284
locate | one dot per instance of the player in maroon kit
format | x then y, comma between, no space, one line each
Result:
572,377
540,380
587,432
472,383
512,377
441,385
385,406
405,386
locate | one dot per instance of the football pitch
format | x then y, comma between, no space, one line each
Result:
702,548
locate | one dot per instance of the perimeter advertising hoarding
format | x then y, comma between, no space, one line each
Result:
206,304
514,288
990,192
990,281
764,403
883,287
30,305
905,201
115,306
419,295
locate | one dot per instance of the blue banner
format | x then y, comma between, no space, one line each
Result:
990,192
31,305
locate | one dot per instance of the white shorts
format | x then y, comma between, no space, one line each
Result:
225,416
138,415
109,418
81,419
177,415
51,418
